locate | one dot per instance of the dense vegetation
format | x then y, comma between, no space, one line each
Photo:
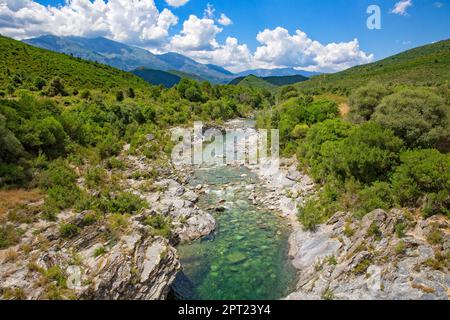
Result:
425,66
267,82
382,158
63,119
58,113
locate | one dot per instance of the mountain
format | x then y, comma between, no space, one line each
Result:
426,65
251,80
286,80
157,77
211,73
23,65
166,78
129,58
102,50
279,72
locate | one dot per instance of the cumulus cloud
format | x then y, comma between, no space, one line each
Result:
176,3
130,21
139,22
224,20
401,7
197,35
230,55
281,49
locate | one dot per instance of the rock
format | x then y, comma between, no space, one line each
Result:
197,227
293,174
236,258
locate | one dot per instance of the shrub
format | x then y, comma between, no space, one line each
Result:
368,154
69,230
9,235
365,99
418,116
377,196
159,226
100,251
123,203
56,88
423,175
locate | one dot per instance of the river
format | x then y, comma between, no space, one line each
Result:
247,257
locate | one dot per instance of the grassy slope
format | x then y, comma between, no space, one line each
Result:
252,82
420,66
27,63
158,77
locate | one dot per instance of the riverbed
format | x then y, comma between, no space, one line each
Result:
247,256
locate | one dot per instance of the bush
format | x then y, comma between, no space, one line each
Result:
69,230
364,101
9,236
56,88
423,176
418,116
368,154
160,226
123,203
377,196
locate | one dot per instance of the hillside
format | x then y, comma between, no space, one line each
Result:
24,65
427,65
277,72
286,80
267,82
127,57
209,72
157,77
252,82
101,50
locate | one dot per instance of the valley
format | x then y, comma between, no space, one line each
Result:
92,205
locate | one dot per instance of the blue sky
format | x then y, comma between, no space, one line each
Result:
326,21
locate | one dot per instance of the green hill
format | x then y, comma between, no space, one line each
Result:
23,65
267,82
285,80
252,81
427,65
157,77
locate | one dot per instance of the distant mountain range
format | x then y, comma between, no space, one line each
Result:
279,72
129,58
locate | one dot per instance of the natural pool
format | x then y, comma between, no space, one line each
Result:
247,257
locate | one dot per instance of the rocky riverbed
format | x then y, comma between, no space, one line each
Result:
107,259
386,255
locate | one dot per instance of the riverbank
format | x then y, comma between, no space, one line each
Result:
386,255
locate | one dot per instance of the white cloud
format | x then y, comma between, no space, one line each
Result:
401,7
176,3
139,22
224,20
231,55
130,21
197,35
280,49
438,5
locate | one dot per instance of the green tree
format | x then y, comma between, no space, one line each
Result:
418,116
365,99
422,173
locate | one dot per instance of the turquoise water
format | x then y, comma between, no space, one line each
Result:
247,257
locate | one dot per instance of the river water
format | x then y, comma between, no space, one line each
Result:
247,257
